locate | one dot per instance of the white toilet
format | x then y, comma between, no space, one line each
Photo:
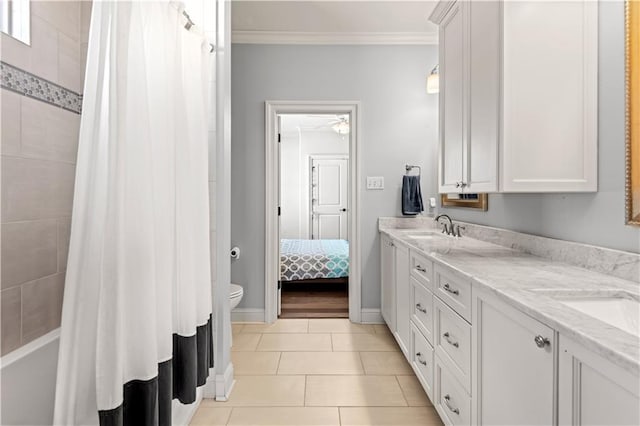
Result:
235,294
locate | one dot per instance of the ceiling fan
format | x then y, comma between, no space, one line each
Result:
340,124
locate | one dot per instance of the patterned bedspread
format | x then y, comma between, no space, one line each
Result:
309,259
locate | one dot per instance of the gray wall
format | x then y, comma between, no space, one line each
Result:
399,123
596,218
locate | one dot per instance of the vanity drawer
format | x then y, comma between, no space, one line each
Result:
422,309
421,269
422,360
451,401
454,290
452,342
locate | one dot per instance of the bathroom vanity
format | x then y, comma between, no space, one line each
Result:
499,336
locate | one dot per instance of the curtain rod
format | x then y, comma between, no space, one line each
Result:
190,24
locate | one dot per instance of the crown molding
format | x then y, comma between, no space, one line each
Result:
290,37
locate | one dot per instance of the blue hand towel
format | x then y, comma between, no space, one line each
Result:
411,196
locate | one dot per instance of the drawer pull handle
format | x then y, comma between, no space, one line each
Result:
420,360
541,342
447,337
420,308
421,269
448,288
454,410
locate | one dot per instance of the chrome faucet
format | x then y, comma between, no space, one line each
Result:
450,228
446,229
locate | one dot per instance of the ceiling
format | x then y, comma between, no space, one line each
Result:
308,122
330,21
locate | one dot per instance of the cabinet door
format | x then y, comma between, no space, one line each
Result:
481,154
452,87
403,308
550,106
513,366
594,391
387,282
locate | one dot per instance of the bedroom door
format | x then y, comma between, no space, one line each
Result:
329,197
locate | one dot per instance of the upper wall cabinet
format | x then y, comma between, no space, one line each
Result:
518,96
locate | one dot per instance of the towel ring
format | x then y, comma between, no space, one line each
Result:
408,169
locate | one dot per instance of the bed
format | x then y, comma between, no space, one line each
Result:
313,259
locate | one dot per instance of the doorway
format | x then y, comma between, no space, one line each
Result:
314,210
312,247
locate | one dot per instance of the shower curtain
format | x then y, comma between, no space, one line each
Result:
136,324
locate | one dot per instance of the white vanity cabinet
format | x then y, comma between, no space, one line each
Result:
593,391
396,291
388,281
513,366
403,298
518,107
483,360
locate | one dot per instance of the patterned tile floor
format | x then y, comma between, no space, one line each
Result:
319,372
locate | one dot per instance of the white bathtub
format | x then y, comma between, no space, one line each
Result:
28,384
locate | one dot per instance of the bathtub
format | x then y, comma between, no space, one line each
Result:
28,383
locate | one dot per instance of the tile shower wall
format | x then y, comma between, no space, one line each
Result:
38,154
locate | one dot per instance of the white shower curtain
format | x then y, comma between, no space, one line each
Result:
136,321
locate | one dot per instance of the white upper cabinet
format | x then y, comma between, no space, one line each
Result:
452,129
518,96
481,166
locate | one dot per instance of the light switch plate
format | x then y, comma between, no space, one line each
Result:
375,182
432,202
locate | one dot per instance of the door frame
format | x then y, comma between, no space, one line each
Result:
272,237
310,183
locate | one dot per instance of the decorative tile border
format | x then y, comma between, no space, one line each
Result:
27,84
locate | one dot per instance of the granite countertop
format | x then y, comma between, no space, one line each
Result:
528,282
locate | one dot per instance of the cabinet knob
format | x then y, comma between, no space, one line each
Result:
541,342
420,308
458,184
421,269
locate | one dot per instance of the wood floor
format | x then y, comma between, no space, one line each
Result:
326,299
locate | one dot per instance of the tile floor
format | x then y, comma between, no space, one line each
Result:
319,372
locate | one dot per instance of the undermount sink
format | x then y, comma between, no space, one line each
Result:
619,311
422,235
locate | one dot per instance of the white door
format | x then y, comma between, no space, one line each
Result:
279,213
329,197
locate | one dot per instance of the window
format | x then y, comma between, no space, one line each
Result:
15,19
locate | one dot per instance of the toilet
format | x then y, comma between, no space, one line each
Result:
235,295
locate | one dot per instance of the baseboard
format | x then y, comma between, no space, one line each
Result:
371,316
224,384
247,315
